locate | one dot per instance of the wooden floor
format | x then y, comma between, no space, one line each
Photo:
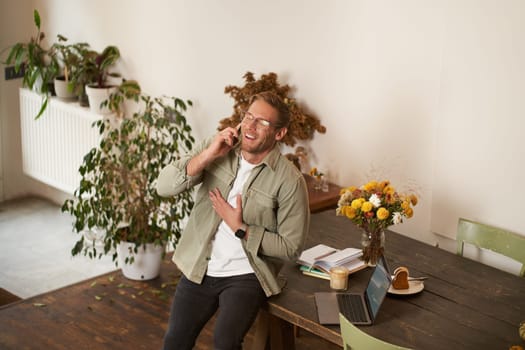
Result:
7,297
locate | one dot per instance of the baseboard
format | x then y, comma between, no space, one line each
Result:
7,297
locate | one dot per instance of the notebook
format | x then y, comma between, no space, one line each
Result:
360,309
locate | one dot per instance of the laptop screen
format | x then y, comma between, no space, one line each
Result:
377,287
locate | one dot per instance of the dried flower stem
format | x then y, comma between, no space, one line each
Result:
373,246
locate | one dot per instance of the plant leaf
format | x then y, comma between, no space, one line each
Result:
36,17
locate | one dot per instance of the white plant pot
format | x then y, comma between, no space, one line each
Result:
146,264
98,95
114,80
62,90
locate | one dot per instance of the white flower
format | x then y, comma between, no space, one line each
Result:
375,200
397,219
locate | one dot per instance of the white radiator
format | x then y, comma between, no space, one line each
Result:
54,145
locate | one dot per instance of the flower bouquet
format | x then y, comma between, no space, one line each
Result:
374,207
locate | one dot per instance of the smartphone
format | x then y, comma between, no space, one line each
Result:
237,139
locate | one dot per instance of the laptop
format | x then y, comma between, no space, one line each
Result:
360,309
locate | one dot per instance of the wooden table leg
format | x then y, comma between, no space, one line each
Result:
279,332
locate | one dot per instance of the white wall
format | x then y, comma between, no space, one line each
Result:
16,24
480,147
423,92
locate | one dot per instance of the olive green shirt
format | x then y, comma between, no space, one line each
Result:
275,208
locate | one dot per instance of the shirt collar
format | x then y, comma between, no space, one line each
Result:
270,159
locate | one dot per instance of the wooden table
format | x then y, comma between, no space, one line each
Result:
465,304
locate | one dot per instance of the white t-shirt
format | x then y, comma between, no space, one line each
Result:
227,256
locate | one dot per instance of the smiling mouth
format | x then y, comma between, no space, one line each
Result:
249,137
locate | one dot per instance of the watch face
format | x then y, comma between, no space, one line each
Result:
240,233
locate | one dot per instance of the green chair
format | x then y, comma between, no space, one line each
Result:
495,239
355,339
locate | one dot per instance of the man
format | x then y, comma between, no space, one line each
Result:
251,212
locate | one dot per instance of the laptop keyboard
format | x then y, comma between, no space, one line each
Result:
351,306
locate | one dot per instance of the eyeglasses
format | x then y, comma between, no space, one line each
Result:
259,122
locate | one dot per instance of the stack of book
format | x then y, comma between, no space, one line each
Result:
318,260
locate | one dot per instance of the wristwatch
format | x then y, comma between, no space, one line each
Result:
241,233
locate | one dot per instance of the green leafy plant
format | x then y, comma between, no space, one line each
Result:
68,57
33,58
117,188
94,67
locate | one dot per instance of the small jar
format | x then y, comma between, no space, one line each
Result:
339,278
324,185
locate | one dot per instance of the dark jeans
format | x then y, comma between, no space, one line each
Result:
238,299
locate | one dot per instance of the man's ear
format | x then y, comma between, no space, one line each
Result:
280,134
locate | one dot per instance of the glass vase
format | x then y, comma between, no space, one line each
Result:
373,245
318,181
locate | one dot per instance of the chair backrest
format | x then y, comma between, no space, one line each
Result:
355,339
495,239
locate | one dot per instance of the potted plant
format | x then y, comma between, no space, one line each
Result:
39,69
94,73
68,58
117,188
83,74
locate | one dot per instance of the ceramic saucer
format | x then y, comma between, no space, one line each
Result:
414,287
